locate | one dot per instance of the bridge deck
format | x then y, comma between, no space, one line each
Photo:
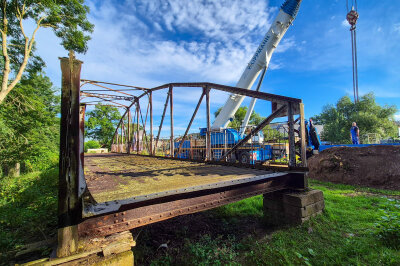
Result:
119,176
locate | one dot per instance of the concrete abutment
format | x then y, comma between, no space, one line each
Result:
292,206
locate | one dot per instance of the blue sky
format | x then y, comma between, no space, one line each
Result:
149,43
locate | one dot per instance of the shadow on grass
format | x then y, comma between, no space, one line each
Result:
28,210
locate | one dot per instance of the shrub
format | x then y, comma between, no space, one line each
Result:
91,144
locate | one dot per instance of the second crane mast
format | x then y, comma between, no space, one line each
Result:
260,60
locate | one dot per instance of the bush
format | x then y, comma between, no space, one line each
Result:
91,144
28,210
388,224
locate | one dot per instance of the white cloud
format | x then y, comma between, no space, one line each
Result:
397,117
141,42
149,43
345,23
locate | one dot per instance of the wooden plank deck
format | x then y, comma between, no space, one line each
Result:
113,177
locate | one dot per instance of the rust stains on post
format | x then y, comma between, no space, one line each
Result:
69,203
151,122
137,126
171,112
208,144
129,130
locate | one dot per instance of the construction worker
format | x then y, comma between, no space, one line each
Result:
355,134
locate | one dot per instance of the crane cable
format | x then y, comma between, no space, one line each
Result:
352,17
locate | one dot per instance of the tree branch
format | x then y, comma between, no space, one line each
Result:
28,49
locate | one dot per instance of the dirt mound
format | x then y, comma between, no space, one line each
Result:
374,166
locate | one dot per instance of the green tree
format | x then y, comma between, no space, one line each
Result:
67,18
236,123
91,144
29,126
255,119
369,116
101,124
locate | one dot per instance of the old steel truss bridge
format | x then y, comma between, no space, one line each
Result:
145,179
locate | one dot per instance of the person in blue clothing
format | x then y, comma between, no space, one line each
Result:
355,134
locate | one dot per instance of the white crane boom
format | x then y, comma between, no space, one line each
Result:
259,60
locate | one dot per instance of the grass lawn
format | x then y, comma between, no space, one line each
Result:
346,233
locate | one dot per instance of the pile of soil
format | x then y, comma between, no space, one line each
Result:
373,166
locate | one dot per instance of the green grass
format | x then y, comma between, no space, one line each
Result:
28,210
235,234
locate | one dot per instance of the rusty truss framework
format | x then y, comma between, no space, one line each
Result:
131,134
83,213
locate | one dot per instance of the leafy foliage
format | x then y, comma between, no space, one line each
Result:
28,210
236,123
29,127
101,124
68,19
388,224
369,116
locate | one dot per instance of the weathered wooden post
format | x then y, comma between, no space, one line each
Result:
69,203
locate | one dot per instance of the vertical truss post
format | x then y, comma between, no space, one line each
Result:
208,144
292,151
151,122
129,130
137,126
123,135
162,120
69,203
171,112
303,137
